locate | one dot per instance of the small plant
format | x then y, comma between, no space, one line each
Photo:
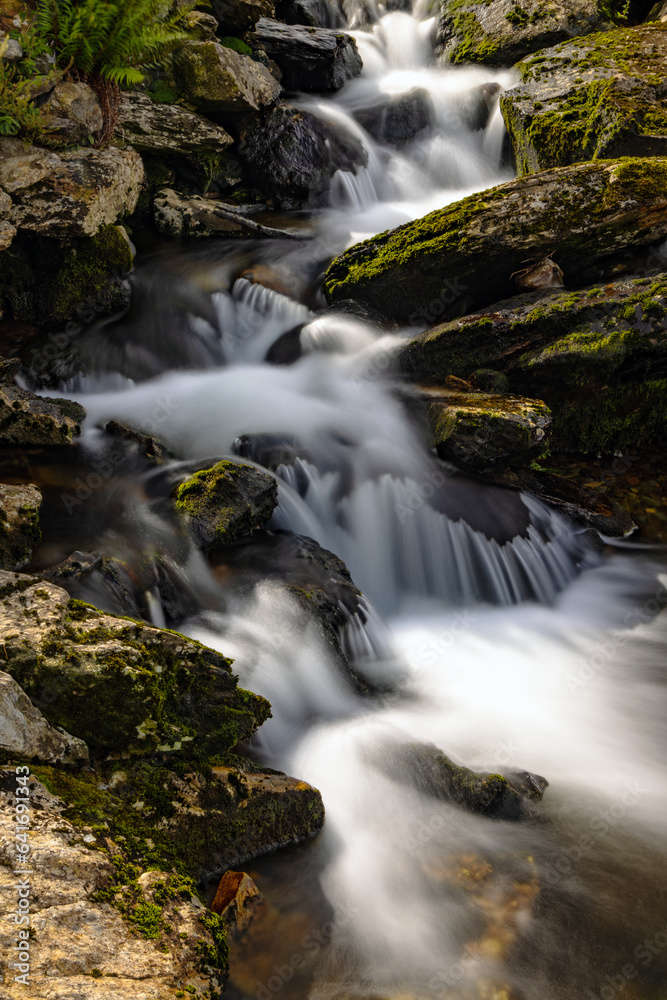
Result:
18,116
616,11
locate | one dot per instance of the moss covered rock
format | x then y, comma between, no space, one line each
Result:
27,420
593,98
464,256
502,32
225,502
167,128
218,80
596,356
19,524
116,683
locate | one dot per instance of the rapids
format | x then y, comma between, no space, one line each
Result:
493,628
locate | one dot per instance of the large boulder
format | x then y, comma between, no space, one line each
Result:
312,59
19,524
398,120
68,194
25,733
596,356
593,98
27,420
220,81
167,128
72,112
315,13
116,683
465,255
291,156
240,15
225,502
502,32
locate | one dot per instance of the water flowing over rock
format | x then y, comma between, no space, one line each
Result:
593,98
311,59
25,733
292,156
27,420
584,216
159,688
167,128
19,524
502,32
220,81
398,120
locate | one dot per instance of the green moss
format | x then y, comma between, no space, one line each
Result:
237,44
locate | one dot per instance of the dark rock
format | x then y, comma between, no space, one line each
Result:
225,502
149,447
241,15
599,97
502,32
463,256
314,13
72,112
311,59
192,215
292,155
27,420
397,121
19,524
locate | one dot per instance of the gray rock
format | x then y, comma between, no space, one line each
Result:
10,49
167,128
27,420
218,80
463,256
240,16
397,121
593,98
71,194
502,32
72,112
19,524
311,59
200,25
25,733
183,216
314,13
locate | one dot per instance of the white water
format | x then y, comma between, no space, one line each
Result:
530,654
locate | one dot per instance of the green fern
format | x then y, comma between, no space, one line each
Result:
114,41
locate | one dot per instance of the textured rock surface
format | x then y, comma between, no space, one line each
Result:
182,215
311,59
480,431
315,13
72,112
68,194
594,98
19,524
241,15
291,156
159,689
167,128
502,32
463,256
25,733
26,419
225,502
218,80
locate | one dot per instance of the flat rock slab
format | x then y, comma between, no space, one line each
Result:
462,257
598,97
184,216
28,420
167,128
311,59
502,32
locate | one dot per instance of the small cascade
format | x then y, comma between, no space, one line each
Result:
252,317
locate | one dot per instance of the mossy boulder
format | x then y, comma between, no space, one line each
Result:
596,356
117,683
593,98
19,524
27,420
225,502
586,217
220,81
478,431
502,32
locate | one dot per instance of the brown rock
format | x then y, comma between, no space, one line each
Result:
236,900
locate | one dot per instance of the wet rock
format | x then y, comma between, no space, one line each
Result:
502,32
495,795
315,13
241,15
185,216
479,431
68,194
19,524
311,59
584,217
96,937
25,733
599,97
478,105
158,689
397,121
145,445
225,502
27,420
546,274
219,81
72,112
167,128
598,357
291,156
236,900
